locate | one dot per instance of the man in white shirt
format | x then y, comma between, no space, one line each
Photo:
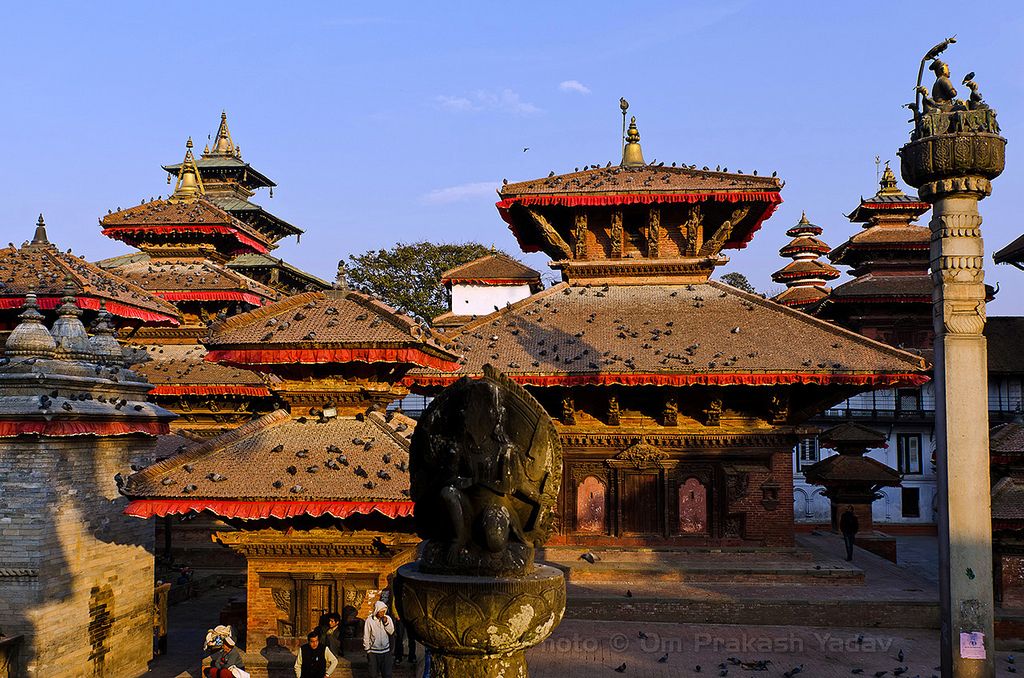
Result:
376,641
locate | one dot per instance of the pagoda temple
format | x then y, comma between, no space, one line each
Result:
317,491
890,296
678,398
198,248
40,268
806,278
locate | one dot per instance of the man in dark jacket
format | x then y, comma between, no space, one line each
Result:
848,525
331,634
315,660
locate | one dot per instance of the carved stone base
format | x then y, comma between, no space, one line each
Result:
480,626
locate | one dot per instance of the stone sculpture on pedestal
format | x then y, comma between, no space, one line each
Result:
486,465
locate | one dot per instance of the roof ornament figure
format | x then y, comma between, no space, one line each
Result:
632,154
103,342
68,331
30,338
39,238
623,106
189,185
341,278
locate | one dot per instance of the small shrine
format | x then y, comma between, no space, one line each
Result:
314,495
77,574
484,285
678,399
890,296
806,278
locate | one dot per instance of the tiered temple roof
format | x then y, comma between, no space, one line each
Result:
889,261
39,267
806,278
496,268
336,358
229,182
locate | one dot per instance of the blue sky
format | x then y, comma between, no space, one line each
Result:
396,123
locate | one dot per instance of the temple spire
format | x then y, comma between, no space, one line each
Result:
30,338
222,143
887,185
189,185
39,238
632,154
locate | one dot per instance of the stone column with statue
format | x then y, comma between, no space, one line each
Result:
954,152
486,465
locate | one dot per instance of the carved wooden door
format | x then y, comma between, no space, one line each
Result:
640,513
319,601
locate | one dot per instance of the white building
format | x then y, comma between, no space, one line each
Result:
483,286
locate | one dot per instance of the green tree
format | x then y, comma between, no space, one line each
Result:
408,275
739,281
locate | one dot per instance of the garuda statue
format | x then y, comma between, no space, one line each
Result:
486,465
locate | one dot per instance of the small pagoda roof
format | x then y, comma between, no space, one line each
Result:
200,216
1008,503
1003,336
227,163
804,227
805,243
41,268
179,369
852,469
709,333
496,268
647,184
330,326
254,214
802,296
192,279
1006,443
881,239
888,199
851,434
1012,253
874,288
805,268
280,466
253,260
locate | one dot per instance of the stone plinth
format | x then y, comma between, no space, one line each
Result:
480,626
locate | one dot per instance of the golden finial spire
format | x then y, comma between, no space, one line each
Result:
887,185
632,154
222,143
39,238
189,185
803,217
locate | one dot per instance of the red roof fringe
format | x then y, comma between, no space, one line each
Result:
255,510
206,389
896,298
895,205
212,296
317,356
771,197
114,231
706,379
56,428
93,304
489,281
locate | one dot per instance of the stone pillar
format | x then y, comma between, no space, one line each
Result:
953,169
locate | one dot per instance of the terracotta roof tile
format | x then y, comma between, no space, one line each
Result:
201,212
42,268
1007,439
805,268
1004,340
647,179
189,274
801,296
1014,252
277,457
183,365
620,332
873,286
1008,500
496,266
852,468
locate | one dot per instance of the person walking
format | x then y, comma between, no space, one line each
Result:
315,659
849,525
376,641
402,639
330,635
224,660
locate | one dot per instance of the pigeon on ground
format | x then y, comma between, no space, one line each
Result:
899,656
629,594
663,659
621,669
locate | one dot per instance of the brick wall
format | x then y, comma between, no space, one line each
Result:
80,584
